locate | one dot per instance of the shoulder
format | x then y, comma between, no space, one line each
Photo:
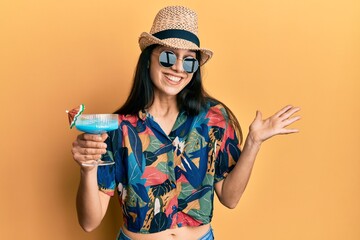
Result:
216,113
216,109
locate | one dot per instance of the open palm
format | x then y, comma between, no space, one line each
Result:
261,130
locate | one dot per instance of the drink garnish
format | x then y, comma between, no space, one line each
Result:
74,113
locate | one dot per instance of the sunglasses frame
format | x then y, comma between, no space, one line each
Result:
182,59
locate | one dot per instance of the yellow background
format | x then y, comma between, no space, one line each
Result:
55,55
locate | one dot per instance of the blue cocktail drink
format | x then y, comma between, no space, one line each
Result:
97,124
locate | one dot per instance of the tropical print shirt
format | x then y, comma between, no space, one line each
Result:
167,181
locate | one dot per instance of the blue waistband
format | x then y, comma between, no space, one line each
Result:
209,235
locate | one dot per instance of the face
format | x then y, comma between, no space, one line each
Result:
169,81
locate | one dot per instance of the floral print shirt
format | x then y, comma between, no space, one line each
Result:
167,181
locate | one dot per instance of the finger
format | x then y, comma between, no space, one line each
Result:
91,157
282,111
83,158
75,143
289,121
289,131
289,112
75,147
258,115
91,144
82,154
92,151
94,137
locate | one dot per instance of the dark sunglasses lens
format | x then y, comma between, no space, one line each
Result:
190,64
167,59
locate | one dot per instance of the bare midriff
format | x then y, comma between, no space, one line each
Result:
189,233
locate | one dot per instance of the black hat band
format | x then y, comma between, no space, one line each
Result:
178,33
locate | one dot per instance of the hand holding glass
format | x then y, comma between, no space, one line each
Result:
97,124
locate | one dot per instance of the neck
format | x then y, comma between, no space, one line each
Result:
164,107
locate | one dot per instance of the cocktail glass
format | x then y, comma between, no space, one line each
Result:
97,124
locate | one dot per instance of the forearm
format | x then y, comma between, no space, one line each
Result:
232,188
88,202
235,183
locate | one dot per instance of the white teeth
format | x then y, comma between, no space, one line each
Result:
173,78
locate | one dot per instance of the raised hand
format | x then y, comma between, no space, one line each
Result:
261,130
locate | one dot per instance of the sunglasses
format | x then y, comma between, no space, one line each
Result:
168,59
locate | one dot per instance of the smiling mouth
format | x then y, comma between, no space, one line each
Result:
173,78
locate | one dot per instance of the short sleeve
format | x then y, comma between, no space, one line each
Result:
106,174
228,154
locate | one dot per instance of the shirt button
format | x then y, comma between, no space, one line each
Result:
179,224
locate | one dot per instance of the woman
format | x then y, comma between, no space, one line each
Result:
175,145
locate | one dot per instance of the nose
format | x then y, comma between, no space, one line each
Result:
178,66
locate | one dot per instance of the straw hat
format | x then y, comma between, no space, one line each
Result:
175,27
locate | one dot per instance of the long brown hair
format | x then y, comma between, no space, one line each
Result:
191,99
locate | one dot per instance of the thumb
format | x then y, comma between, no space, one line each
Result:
258,115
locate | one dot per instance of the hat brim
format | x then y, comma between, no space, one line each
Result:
147,39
